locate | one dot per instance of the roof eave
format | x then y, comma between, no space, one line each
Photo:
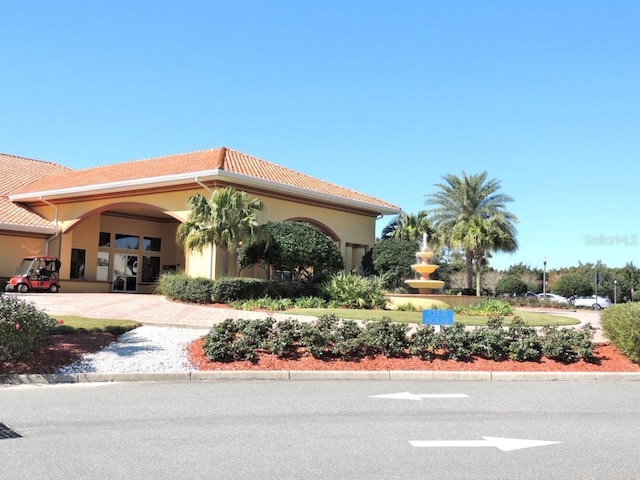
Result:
139,183
181,179
12,227
303,192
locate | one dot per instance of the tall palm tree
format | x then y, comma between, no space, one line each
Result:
473,213
227,218
410,227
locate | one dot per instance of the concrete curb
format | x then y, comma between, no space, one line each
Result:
301,375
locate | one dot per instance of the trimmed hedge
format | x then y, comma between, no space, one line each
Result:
330,338
186,289
621,324
226,290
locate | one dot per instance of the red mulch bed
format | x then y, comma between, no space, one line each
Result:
66,349
607,359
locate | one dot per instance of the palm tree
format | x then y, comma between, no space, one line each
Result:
409,227
472,212
226,219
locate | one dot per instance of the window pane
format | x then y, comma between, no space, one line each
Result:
150,269
105,239
151,244
102,273
127,242
78,257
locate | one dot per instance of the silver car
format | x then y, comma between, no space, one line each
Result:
551,297
590,302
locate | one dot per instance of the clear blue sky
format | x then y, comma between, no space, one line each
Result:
383,97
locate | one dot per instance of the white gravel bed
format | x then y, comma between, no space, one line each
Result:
145,349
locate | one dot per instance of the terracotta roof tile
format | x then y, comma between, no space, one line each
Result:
200,161
17,172
238,162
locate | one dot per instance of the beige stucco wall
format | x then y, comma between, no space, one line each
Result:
14,248
81,223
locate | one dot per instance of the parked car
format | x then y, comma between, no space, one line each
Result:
551,297
590,302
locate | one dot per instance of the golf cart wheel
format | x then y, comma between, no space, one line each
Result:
53,288
596,306
23,288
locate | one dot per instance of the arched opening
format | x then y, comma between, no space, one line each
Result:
121,247
320,226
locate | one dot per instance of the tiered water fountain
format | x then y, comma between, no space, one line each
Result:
424,284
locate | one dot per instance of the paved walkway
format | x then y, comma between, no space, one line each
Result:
157,310
145,309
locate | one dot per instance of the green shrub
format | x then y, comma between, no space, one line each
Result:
456,342
621,324
392,258
524,301
408,307
264,303
329,338
227,290
424,342
572,284
290,289
567,345
635,296
185,289
385,337
492,341
510,285
23,328
171,285
524,343
232,340
349,290
284,338
318,337
310,302
348,341
198,290
486,307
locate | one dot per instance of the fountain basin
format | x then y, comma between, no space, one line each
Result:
423,268
425,284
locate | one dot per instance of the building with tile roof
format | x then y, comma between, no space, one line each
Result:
104,222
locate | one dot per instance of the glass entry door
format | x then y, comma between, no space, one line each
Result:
125,272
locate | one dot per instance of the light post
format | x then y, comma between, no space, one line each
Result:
615,291
544,278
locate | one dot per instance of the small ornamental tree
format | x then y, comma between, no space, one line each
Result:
510,285
295,247
572,284
392,259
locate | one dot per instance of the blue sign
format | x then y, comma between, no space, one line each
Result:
437,317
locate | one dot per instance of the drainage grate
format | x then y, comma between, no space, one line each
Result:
6,432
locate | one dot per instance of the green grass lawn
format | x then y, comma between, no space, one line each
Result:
75,323
530,318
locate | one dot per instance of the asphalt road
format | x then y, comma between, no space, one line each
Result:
321,429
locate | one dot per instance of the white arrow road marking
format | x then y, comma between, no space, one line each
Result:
419,396
504,444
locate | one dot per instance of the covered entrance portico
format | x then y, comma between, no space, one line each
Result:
119,248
